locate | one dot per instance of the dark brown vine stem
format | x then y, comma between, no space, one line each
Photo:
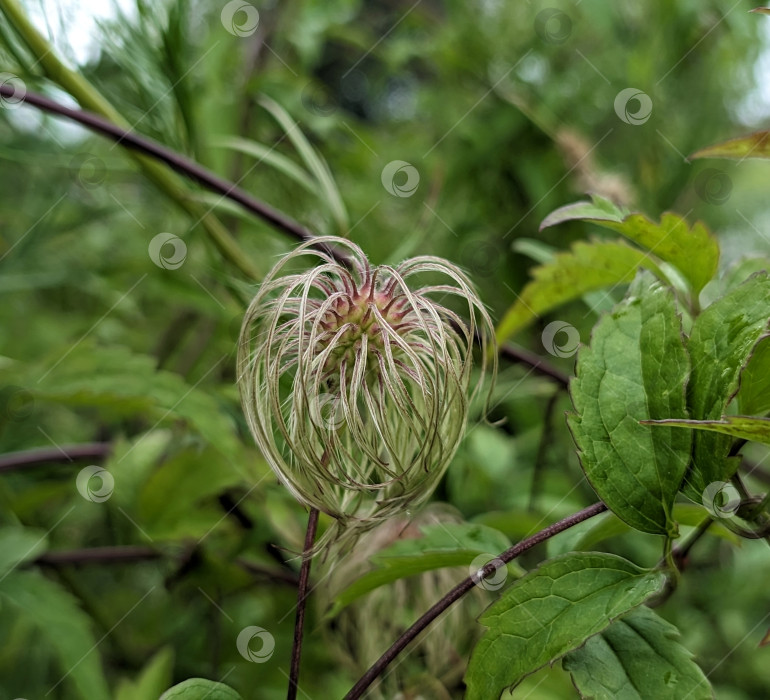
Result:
302,594
230,190
175,160
462,588
43,455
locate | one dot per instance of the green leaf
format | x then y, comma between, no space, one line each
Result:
63,625
687,514
272,158
635,369
200,689
636,658
585,268
551,611
447,544
694,251
745,427
754,394
720,344
19,544
120,381
169,504
152,680
313,161
756,145
600,209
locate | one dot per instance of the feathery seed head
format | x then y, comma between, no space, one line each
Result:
356,385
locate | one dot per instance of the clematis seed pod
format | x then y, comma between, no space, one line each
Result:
355,382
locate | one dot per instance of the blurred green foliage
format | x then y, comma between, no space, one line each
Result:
505,111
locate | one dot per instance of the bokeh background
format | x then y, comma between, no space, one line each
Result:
430,127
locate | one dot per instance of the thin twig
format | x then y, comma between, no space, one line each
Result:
302,592
539,364
546,439
462,588
44,455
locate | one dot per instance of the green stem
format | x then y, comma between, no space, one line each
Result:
92,100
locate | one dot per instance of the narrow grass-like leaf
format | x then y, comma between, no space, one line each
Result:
313,161
635,369
271,157
756,145
551,611
745,427
636,658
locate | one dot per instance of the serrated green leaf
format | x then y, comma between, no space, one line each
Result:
151,681
694,251
744,427
551,611
636,658
63,625
20,544
200,689
635,369
447,544
720,344
754,393
118,380
585,268
756,145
